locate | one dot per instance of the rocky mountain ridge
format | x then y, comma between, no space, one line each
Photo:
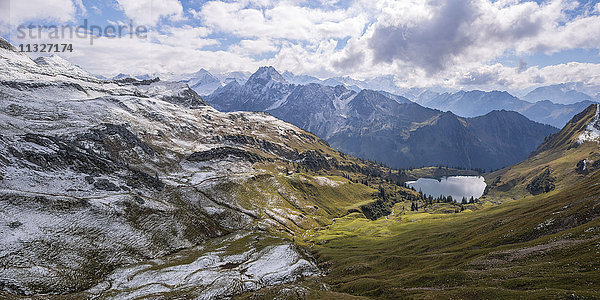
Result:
385,127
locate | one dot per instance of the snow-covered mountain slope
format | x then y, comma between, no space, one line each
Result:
205,83
100,178
240,77
60,64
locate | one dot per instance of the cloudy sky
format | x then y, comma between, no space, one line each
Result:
502,44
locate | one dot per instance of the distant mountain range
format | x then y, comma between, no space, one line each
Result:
204,83
386,127
565,93
476,103
553,105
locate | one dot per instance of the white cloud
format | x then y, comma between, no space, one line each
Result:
110,56
81,7
253,47
282,21
443,34
150,12
16,12
452,43
186,37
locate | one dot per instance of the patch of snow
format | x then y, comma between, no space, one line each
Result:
209,275
324,181
341,102
592,131
279,102
544,224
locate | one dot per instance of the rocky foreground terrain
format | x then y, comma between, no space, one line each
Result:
128,188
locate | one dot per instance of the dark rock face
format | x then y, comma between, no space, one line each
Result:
543,183
582,167
28,86
15,224
65,155
187,98
136,82
106,149
222,153
313,160
264,145
112,140
106,185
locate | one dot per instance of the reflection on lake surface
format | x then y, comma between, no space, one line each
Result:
455,186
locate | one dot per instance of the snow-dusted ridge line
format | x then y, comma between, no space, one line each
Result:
88,171
592,130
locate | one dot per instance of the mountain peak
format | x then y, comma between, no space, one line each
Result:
202,72
266,74
202,76
121,76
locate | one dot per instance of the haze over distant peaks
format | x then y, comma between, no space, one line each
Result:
564,93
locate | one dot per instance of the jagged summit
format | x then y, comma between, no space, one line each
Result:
266,74
204,74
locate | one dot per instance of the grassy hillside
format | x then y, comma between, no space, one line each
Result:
537,244
558,156
544,246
